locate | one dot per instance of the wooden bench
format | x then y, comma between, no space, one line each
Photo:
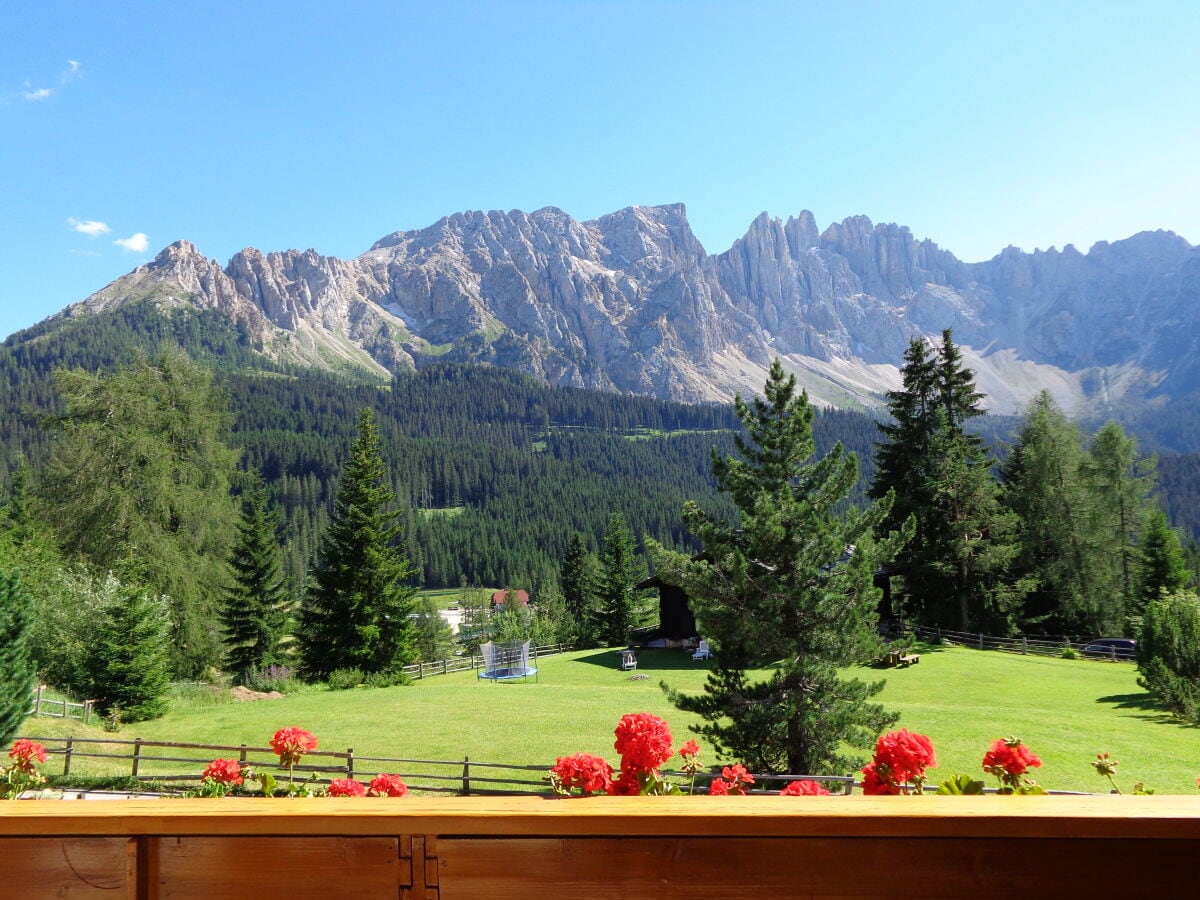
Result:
905,660
657,848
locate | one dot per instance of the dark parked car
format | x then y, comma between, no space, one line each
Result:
1111,648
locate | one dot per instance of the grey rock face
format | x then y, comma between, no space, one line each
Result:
632,302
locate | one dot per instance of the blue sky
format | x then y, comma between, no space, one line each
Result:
126,126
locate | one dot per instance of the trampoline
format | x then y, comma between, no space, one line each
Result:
507,661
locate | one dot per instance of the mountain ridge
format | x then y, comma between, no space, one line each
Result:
632,302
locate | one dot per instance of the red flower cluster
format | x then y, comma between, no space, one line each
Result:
1008,759
387,786
805,787
734,780
291,744
346,787
591,774
224,771
901,757
25,753
644,742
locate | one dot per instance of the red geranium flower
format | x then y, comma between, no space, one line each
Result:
25,753
718,787
735,778
387,786
627,785
346,787
1009,757
872,783
292,743
589,773
224,771
907,755
644,742
805,787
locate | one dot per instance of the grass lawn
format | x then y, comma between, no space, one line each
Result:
1066,710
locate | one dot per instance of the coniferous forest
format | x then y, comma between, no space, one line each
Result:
129,442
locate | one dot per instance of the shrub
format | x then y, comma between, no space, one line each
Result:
1068,653
273,678
1169,653
345,679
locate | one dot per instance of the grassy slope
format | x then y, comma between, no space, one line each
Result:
1065,710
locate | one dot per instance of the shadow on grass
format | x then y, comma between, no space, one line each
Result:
1152,709
651,659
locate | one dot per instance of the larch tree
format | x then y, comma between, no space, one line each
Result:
138,481
785,596
356,614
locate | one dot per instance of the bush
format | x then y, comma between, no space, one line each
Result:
344,679
1169,653
1068,653
273,678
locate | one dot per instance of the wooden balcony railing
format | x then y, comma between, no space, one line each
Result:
517,848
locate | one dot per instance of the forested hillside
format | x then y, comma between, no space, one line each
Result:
495,471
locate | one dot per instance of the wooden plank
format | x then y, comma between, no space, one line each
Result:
263,868
715,869
1104,816
34,868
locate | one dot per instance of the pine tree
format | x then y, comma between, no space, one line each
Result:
129,662
16,666
356,613
790,586
621,607
257,605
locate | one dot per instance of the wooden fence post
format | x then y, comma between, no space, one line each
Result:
37,701
137,756
242,755
466,788
444,669
349,762
87,711
1024,645
67,756
981,640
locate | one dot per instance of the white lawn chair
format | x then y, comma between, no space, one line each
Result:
702,652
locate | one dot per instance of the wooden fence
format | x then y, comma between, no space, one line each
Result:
183,763
636,848
60,708
1040,646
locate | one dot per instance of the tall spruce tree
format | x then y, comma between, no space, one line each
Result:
621,606
579,574
257,604
16,666
1162,568
955,568
790,585
356,613
129,661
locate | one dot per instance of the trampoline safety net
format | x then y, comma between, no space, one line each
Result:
506,660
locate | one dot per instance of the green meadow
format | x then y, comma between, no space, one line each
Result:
1065,710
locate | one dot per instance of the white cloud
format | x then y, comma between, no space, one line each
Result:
72,69
138,243
38,94
90,227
